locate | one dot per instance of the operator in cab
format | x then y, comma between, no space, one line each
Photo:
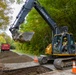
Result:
64,44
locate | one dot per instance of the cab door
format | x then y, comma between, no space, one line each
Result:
71,46
57,42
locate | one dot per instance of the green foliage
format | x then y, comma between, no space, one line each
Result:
17,1
4,18
2,40
5,10
6,37
62,11
12,44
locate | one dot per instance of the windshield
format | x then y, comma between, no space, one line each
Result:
56,44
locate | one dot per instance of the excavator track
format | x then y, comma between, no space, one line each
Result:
64,63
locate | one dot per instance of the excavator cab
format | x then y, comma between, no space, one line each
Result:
61,49
63,44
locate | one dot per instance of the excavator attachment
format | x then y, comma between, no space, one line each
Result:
23,37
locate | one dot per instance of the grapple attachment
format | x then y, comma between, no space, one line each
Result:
23,37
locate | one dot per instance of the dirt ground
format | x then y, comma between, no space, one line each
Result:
11,57
27,71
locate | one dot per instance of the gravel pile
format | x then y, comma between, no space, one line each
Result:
12,57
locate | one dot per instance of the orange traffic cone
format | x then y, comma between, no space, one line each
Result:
36,59
74,68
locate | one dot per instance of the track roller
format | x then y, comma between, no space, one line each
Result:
43,59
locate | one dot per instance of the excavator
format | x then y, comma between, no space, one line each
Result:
61,55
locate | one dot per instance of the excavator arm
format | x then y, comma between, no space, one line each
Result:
22,14
29,4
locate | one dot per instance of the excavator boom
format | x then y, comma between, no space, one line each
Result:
26,8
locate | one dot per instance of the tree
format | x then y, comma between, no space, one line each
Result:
17,1
6,37
2,40
4,14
